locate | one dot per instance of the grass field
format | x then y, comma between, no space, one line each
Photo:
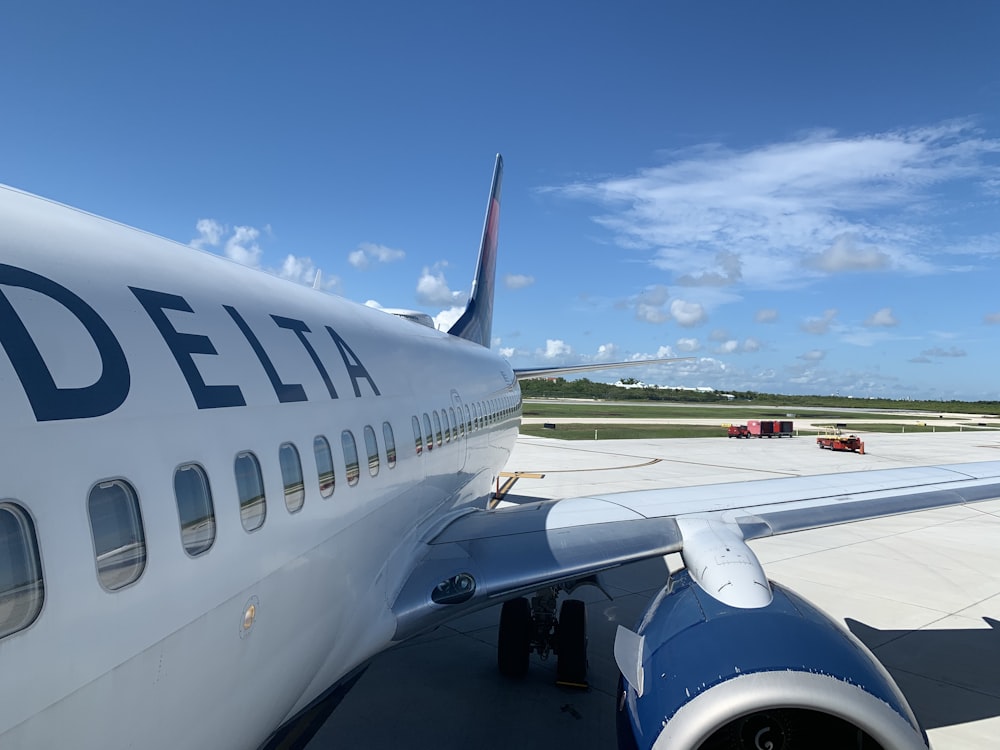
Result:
738,413
583,431
713,415
915,428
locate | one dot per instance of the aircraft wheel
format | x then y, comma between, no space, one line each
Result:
514,638
571,666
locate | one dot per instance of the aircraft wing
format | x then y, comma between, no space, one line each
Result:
544,372
485,556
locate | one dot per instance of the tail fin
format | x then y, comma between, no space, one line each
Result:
476,323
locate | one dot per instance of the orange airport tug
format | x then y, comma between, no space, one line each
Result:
837,442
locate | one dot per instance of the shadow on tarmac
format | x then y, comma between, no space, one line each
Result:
949,676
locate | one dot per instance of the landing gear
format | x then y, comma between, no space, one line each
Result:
571,667
527,627
514,641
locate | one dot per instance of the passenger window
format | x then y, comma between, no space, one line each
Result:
447,425
468,420
390,443
116,528
371,446
456,424
22,590
194,508
250,488
437,427
350,457
428,435
324,466
291,477
417,439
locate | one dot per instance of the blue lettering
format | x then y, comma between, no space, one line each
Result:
183,345
355,369
300,329
284,391
48,401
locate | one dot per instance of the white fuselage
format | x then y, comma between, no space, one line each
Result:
173,659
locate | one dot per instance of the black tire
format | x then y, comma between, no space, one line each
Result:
571,666
514,638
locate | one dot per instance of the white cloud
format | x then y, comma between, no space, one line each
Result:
373,303
687,313
650,302
882,319
556,348
688,345
766,315
728,347
368,252
242,246
821,325
813,355
992,318
651,313
518,280
447,318
606,352
729,270
209,234
432,289
846,254
507,351
735,346
298,269
778,214
937,351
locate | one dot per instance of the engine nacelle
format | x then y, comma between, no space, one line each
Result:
704,675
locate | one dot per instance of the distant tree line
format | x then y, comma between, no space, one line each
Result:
584,388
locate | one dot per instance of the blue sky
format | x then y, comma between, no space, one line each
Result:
805,199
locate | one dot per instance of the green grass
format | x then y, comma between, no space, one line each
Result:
736,413
907,428
585,431
622,431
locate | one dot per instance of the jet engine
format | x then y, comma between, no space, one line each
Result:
707,675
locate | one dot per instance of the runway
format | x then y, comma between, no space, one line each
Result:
921,590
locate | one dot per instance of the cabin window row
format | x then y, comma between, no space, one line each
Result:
117,530
455,422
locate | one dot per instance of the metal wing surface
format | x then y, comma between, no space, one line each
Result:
484,556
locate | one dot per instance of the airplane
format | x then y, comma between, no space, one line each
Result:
224,493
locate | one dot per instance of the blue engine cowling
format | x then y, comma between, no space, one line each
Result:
780,677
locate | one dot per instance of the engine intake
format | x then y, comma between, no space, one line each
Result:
781,677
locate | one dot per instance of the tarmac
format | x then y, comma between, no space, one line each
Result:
921,590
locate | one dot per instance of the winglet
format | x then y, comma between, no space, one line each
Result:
476,323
